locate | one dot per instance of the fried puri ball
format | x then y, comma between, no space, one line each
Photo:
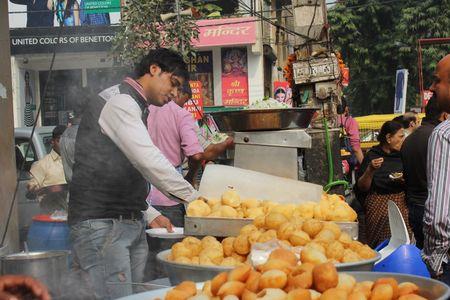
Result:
346,282
228,212
286,209
267,236
310,255
241,244
334,228
301,277
182,260
229,262
207,288
325,277
180,250
273,279
406,288
187,286
316,246
345,239
383,291
343,212
252,283
355,246
213,202
285,231
216,213
247,229
325,236
249,295
366,252
285,255
254,236
274,220
195,260
271,294
299,238
240,273
231,288
357,295
260,221
227,245
275,264
350,256
193,244
334,294
250,203
305,210
174,294
231,198
254,212
391,281
207,240
411,297
299,294
198,208
213,254
268,205
312,227
335,250
218,281
238,257
364,287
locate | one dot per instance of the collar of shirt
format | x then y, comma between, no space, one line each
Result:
55,156
137,86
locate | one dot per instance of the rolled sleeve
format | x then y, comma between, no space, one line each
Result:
121,121
436,219
189,140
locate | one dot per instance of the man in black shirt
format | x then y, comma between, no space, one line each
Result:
414,158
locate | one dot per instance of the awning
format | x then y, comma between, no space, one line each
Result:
226,32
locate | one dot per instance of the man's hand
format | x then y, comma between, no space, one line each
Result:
13,287
376,163
161,222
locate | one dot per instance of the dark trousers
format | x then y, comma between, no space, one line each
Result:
416,212
154,269
445,277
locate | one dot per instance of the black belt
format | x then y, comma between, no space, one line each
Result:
134,216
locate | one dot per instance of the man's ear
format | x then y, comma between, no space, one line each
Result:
154,70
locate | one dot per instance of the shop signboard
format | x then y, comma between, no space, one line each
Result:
200,68
234,77
101,6
195,104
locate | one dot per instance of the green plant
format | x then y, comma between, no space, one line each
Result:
142,29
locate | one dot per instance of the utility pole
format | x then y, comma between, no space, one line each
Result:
177,7
7,158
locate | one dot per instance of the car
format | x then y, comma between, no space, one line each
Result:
39,146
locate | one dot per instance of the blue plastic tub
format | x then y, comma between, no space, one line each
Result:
47,234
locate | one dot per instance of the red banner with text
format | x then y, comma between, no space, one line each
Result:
195,104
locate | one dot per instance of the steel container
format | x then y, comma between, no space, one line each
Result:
263,119
50,267
178,272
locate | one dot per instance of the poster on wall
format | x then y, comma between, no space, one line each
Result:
282,92
195,104
401,83
234,77
200,68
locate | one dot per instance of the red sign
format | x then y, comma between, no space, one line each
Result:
235,91
222,32
195,105
345,76
427,94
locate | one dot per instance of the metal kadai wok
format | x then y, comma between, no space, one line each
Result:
263,119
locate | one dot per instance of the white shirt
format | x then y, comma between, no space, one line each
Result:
121,121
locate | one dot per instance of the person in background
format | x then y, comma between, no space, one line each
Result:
409,122
349,135
13,287
38,14
436,221
67,142
414,157
48,177
375,179
115,158
67,11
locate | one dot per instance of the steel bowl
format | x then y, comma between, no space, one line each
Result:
263,119
178,272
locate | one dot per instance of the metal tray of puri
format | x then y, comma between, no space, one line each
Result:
263,119
179,272
223,227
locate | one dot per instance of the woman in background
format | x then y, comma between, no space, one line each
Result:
380,177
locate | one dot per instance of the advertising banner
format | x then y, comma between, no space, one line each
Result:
101,6
282,92
200,68
401,83
195,105
234,77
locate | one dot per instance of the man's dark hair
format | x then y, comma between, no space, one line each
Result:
389,127
432,110
406,119
58,131
168,60
186,89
